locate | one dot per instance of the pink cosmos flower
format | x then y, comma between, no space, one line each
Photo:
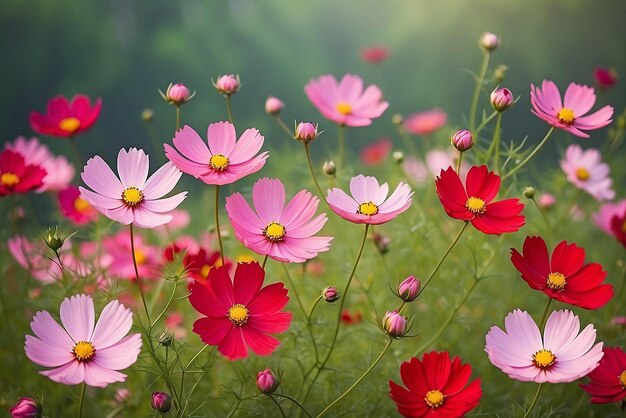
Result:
117,248
284,233
568,114
585,170
66,118
345,102
562,355
607,212
75,208
225,160
369,203
79,351
131,198
427,122
376,152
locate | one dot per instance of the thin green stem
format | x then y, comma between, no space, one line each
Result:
485,122
531,155
282,413
217,219
496,139
313,308
355,384
408,141
295,401
167,305
137,279
342,144
545,218
82,400
458,163
230,113
177,117
544,317
308,158
441,260
264,261
76,152
283,126
534,401
479,83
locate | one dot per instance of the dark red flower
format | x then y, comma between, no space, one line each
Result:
16,176
376,152
375,54
350,318
618,228
200,264
564,276
435,387
66,119
608,380
473,202
605,77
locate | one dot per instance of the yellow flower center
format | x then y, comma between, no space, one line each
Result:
475,205
582,174
132,196
238,314
140,256
556,281
83,351
9,179
219,162
81,205
344,108
624,227
544,359
204,271
622,378
274,232
566,116
245,258
434,398
70,124
368,209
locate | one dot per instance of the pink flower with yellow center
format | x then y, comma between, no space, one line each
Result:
426,122
345,102
66,118
569,114
585,170
120,261
75,208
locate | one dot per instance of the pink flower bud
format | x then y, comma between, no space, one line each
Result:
26,408
273,105
382,242
619,321
462,140
409,289
266,382
122,395
605,77
177,93
546,200
501,99
394,324
330,294
489,41
227,84
306,132
161,402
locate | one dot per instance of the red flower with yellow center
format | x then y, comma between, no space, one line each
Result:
66,118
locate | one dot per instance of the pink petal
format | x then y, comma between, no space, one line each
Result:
240,212
99,177
101,377
133,167
113,324
162,181
579,98
269,199
164,205
521,327
561,329
221,137
350,88
123,215
78,317
145,218
119,355
186,166
247,146
340,200
101,201
47,355
71,373
596,120
189,143
47,329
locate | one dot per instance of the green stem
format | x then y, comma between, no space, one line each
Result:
544,317
313,308
177,117
479,83
230,113
295,401
264,261
534,401
485,122
408,141
458,163
432,274
355,384
137,279
82,400
495,144
531,155
545,218
341,145
217,219
282,413
283,126
75,150
308,158
169,302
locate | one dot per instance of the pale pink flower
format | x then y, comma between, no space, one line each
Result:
225,160
180,220
569,113
273,105
607,212
131,198
83,350
175,323
546,200
284,233
436,160
427,122
369,203
345,102
415,170
562,355
118,250
585,170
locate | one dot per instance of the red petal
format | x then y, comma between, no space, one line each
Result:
482,183
452,194
212,331
248,281
262,344
567,259
269,300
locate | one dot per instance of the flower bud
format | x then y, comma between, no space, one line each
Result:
394,324
330,294
330,168
382,242
55,238
605,77
26,408
177,93
501,99
147,115
227,84
121,395
529,192
489,41
397,119
166,338
499,74
398,156
306,132
266,382
409,289
462,140
273,105
161,401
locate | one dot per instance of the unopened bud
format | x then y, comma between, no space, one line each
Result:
273,105
161,402
330,168
398,156
227,84
462,140
382,242
529,192
489,41
306,132
394,324
330,294
501,99
409,289
55,238
166,339
26,408
177,94
397,119
267,382
147,115
499,74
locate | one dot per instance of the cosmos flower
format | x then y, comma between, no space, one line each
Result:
607,212
374,54
16,176
569,113
376,152
426,122
64,118
585,170
608,380
75,208
120,260
435,387
81,351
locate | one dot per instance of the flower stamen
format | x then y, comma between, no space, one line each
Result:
83,351
556,281
219,162
132,196
475,205
70,124
434,398
238,314
544,359
622,378
81,205
582,174
9,179
274,232
367,209
566,116
344,108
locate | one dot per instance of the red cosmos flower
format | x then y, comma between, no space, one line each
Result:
66,119
376,152
350,318
618,228
201,263
608,380
374,54
473,202
563,277
16,176
435,387
239,314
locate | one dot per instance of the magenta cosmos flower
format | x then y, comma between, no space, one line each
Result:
585,170
426,122
225,160
131,198
345,102
239,313
568,114
284,233
79,351
369,203
66,118
563,355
